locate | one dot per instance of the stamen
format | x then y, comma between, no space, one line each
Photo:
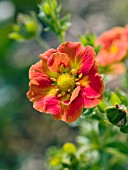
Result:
53,79
69,90
80,75
61,68
60,95
57,90
77,83
73,71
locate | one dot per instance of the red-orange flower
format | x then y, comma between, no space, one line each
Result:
66,80
114,46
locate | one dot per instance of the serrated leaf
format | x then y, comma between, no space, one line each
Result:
114,99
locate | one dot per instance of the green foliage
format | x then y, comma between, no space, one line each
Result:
63,158
26,28
115,108
89,39
98,148
114,99
50,13
124,128
116,115
102,106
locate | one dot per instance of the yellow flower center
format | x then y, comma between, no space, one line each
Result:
66,82
113,49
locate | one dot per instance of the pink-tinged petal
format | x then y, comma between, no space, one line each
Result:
40,82
56,60
116,53
89,103
103,58
73,51
107,37
50,105
40,87
114,46
117,69
71,112
44,57
95,87
87,60
36,71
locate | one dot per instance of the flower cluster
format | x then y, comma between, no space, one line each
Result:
65,81
114,46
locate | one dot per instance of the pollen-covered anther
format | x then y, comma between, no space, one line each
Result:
60,95
73,71
69,90
57,90
53,79
80,75
77,84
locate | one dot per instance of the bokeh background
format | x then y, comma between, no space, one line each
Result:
25,133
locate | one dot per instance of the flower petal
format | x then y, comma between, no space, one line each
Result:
75,93
56,60
36,71
73,51
89,103
95,86
44,57
47,54
40,87
87,60
71,112
117,69
50,105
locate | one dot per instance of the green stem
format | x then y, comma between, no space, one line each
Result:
61,37
56,23
42,43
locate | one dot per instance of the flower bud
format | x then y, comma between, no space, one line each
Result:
27,27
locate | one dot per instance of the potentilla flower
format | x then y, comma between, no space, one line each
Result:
114,46
65,81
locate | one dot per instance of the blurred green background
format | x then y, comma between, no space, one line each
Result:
24,132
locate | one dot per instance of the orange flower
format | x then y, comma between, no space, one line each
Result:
66,80
114,46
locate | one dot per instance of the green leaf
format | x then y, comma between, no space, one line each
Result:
102,106
116,115
87,39
124,129
114,99
97,49
46,8
54,3
50,13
